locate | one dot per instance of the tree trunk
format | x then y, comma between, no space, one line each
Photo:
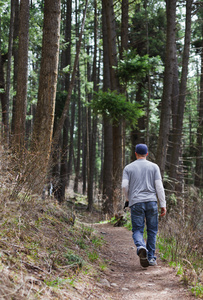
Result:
108,138
77,169
177,135
124,47
67,62
174,109
108,167
92,151
15,58
117,127
2,86
124,27
70,154
21,95
84,149
44,119
8,74
137,135
199,146
168,84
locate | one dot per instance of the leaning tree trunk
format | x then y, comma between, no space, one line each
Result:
168,84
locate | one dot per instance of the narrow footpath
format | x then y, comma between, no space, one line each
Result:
127,280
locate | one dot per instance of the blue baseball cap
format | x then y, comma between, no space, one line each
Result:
141,149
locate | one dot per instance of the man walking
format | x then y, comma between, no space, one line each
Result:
142,184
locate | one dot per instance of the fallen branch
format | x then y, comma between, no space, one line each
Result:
34,267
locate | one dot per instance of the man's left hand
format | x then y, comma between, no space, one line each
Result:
126,204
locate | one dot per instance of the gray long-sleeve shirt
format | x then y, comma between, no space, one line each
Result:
142,182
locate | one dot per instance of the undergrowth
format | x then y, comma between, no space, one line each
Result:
43,253
180,238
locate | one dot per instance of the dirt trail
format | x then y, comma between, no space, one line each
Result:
127,280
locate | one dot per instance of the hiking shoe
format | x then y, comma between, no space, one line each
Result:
152,262
143,257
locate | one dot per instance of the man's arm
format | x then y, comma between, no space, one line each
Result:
125,188
161,196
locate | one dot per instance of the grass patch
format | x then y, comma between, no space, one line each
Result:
93,256
73,259
97,241
198,290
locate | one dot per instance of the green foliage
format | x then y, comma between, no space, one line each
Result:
5,21
97,241
93,256
56,282
102,266
128,223
81,243
73,259
86,231
148,27
135,67
115,106
113,220
198,290
167,248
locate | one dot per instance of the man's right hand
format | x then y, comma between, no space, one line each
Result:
163,211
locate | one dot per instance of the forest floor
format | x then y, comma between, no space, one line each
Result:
43,256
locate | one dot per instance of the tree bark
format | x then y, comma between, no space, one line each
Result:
2,87
117,126
92,151
77,168
15,58
137,135
124,27
67,61
168,84
70,154
44,119
177,135
18,139
108,133
84,149
6,108
199,146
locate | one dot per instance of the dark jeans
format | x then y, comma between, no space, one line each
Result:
140,212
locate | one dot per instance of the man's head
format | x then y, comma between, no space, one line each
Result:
141,150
